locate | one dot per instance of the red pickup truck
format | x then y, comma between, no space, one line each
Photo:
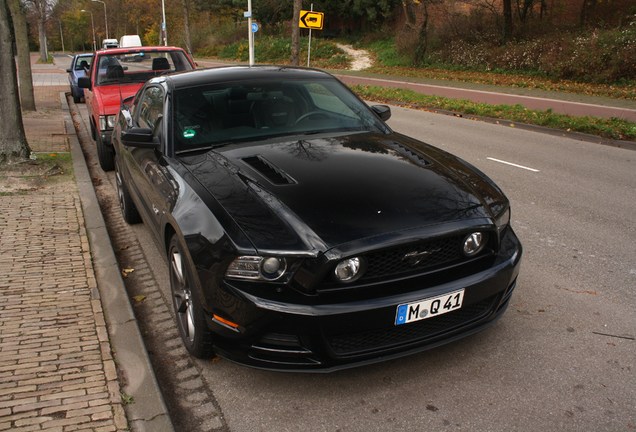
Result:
116,74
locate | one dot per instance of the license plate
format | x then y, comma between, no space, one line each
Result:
429,308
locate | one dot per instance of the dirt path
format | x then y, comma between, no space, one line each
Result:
361,58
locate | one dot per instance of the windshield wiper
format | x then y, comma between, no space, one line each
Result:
202,148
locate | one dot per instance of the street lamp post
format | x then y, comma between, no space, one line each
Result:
93,26
105,16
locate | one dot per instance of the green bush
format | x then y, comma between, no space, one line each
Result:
603,56
277,50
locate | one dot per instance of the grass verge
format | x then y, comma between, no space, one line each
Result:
608,128
509,79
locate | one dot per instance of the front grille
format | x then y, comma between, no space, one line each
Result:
433,261
420,331
434,253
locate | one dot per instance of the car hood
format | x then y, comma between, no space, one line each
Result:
110,96
316,194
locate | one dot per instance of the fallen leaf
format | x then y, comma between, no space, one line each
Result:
125,272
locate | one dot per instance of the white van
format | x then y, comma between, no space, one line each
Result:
129,41
109,43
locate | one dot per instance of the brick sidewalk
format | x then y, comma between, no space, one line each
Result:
56,368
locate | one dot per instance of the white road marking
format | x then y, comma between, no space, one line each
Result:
513,164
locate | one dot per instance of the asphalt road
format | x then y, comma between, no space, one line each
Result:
563,357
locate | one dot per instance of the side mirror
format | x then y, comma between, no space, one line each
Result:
139,137
84,82
383,111
125,114
69,70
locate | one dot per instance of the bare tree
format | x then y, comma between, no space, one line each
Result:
13,142
295,45
416,21
507,13
27,98
587,10
186,26
40,9
422,35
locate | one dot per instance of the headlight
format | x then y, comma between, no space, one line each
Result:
257,268
474,243
349,269
106,122
503,220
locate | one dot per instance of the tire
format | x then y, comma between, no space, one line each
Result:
194,332
105,154
77,99
126,204
93,134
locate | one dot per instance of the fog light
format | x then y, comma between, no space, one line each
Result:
474,243
348,270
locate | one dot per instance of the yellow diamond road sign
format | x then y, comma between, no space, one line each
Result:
311,19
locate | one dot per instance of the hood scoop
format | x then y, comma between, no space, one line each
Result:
409,154
275,175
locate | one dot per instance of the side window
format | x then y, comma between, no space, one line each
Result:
150,108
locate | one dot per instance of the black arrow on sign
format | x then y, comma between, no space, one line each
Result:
302,19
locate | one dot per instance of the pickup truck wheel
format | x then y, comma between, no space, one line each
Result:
77,99
105,155
93,134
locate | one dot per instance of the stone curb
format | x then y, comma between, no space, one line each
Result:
147,411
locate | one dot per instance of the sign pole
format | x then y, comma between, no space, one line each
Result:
250,33
164,30
310,20
309,45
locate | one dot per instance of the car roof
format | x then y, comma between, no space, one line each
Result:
126,50
239,73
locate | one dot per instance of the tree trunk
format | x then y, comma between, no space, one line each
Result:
507,12
295,45
186,26
587,9
13,143
409,14
44,55
27,98
422,36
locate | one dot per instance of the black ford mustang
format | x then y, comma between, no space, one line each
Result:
300,231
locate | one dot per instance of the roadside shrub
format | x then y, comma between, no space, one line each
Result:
602,56
277,50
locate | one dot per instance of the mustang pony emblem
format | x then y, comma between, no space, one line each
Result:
416,257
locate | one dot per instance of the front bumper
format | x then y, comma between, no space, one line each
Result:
328,337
